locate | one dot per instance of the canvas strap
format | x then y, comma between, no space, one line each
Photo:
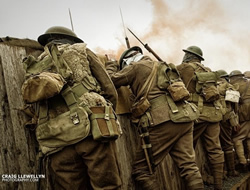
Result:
148,82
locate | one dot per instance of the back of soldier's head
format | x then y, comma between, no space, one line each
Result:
247,74
193,53
236,73
58,33
132,54
222,73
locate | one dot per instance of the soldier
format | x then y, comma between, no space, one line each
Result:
83,159
207,128
159,134
247,74
237,79
229,124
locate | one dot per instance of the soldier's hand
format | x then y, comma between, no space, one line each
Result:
111,57
236,128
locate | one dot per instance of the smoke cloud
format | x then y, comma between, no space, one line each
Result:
206,24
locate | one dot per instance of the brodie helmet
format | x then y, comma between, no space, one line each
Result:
247,74
235,73
222,73
58,30
128,53
195,50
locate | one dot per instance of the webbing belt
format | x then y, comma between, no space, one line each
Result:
70,95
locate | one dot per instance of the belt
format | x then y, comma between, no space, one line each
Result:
156,102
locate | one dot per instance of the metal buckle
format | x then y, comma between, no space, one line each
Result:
75,119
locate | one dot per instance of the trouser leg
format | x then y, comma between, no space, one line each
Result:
230,163
217,170
101,161
184,157
215,154
68,170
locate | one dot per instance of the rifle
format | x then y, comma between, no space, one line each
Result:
146,46
126,38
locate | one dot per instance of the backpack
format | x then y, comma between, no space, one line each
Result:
74,109
207,91
206,83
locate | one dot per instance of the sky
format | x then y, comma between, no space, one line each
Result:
221,28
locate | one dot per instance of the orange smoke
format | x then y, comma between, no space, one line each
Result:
192,23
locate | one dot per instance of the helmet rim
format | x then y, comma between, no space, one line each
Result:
193,52
50,32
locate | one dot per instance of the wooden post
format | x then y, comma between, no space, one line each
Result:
17,154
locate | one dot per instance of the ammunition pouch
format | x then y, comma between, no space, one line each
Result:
182,111
211,112
178,91
66,129
168,78
104,124
140,107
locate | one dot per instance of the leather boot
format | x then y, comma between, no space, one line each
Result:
217,170
229,159
198,186
148,182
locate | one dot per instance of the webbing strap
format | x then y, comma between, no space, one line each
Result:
101,116
200,103
43,112
71,94
144,146
172,104
144,134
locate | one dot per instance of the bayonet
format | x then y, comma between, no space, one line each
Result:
71,21
126,38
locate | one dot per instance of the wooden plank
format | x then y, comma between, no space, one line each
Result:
17,146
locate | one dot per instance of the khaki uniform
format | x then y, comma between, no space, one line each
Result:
165,135
244,118
208,132
226,128
87,162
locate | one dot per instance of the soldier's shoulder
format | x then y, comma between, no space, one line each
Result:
184,66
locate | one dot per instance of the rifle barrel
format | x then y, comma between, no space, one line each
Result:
136,37
146,46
